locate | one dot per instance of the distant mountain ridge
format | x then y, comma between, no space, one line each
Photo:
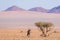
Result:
55,10
14,8
38,9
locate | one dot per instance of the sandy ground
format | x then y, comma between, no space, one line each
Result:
13,19
20,34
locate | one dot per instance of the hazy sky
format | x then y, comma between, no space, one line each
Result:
27,4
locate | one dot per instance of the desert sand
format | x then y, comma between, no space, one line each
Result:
26,18
11,21
21,34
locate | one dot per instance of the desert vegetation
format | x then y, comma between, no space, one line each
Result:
44,27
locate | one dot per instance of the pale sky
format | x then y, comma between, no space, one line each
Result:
27,4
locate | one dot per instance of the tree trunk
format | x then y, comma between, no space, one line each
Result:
43,31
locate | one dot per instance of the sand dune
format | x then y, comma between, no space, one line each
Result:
26,18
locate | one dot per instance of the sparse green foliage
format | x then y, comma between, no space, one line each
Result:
44,27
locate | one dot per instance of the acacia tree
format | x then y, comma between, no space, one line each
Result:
44,27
